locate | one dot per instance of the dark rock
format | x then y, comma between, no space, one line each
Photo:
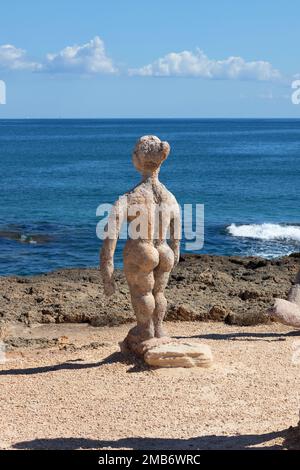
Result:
257,263
181,312
247,318
249,294
218,313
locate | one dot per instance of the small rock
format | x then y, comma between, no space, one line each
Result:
178,278
257,263
218,313
97,321
207,278
181,312
29,290
63,340
247,318
249,294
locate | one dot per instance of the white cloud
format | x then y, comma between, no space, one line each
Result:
89,58
197,64
12,58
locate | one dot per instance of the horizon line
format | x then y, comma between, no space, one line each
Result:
144,118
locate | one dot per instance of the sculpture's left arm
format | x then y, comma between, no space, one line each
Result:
175,232
112,231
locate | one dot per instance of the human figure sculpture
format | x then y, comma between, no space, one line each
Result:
288,311
148,256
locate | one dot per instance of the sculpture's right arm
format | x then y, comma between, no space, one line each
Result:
112,231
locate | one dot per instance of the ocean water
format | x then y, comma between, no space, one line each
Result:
55,173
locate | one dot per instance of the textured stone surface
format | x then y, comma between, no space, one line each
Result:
179,354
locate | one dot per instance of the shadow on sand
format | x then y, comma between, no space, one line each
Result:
246,336
76,364
247,441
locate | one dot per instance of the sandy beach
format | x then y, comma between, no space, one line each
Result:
65,384
82,394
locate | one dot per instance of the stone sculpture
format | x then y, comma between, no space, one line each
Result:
153,215
288,311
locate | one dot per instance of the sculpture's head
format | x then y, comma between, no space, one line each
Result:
149,153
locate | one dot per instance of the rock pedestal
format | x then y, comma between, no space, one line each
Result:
179,354
170,352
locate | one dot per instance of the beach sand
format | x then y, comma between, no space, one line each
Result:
81,393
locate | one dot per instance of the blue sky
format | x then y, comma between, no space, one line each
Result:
164,58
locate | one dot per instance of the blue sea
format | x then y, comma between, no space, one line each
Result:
55,173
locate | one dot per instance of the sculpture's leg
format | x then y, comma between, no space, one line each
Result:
139,261
161,277
143,305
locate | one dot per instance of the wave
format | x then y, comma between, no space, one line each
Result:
266,232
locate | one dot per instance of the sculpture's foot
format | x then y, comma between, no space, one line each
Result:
286,312
139,346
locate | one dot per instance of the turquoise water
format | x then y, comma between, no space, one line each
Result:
54,174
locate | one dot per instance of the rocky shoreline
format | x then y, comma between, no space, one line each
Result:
237,290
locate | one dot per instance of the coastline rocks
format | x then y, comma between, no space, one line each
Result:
202,287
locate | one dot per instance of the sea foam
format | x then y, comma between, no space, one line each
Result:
266,231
